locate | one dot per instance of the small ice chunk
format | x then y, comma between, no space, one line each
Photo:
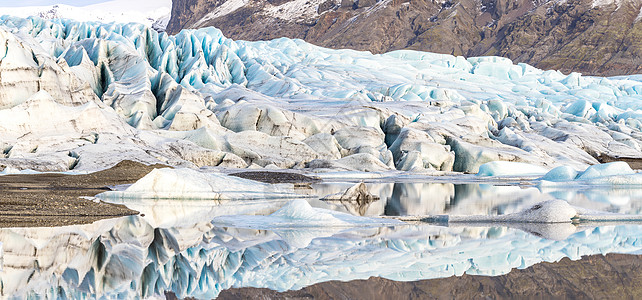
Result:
551,211
608,169
561,173
508,168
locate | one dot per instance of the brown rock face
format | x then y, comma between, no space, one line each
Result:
568,35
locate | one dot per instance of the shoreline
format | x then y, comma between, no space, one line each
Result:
53,199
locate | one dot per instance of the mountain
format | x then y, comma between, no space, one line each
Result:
154,14
595,37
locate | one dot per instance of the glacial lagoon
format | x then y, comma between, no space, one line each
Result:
185,248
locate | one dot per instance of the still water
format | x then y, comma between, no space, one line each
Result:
180,247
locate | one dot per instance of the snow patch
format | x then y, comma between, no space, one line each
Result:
294,10
224,9
600,3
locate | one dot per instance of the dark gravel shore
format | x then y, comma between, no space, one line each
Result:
47,200
276,177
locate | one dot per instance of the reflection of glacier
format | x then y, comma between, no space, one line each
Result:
404,198
127,257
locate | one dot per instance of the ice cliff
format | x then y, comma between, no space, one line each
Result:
86,95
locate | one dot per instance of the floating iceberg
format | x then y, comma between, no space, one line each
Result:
609,174
506,168
179,184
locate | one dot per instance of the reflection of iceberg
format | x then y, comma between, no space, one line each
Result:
435,198
126,257
299,214
549,231
614,199
298,223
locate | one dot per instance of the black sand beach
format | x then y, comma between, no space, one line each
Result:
49,199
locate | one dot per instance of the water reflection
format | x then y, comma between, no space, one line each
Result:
402,198
176,247
127,257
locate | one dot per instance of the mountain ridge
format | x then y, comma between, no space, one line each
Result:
591,37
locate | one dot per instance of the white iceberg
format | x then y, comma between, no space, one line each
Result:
168,183
508,168
608,174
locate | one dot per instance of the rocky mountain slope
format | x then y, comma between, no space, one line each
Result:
597,37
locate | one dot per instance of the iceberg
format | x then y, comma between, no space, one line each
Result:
561,173
168,183
604,170
608,174
507,168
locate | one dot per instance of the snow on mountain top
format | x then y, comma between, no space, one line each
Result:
293,10
226,8
154,14
290,10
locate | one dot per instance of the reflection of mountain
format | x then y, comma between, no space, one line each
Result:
127,257
599,277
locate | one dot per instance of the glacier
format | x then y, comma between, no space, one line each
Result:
199,99
155,14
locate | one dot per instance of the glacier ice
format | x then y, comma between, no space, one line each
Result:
298,216
551,211
276,103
